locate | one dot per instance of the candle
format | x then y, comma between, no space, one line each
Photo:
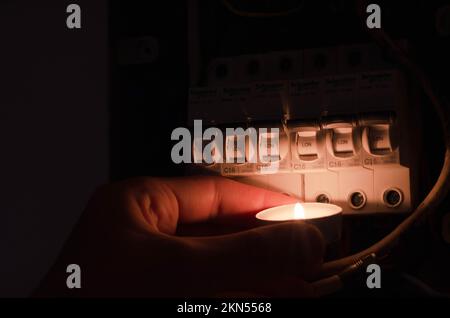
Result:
326,217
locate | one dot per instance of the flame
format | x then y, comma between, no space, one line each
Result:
299,211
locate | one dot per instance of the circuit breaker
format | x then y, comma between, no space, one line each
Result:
339,127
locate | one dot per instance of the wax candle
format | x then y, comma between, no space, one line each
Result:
326,217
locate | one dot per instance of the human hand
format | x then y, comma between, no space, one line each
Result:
126,243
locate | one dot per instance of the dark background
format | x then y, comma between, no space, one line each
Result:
54,138
74,115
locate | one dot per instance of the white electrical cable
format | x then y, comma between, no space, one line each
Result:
434,197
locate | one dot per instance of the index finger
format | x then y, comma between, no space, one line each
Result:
165,202
202,198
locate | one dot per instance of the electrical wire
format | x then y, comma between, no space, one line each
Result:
332,273
440,189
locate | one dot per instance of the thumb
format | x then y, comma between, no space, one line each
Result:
260,256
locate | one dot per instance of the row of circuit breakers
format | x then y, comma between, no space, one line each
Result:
339,133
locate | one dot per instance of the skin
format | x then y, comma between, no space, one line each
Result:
128,243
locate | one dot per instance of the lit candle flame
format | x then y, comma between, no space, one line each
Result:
299,211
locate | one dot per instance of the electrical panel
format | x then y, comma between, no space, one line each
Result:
341,134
